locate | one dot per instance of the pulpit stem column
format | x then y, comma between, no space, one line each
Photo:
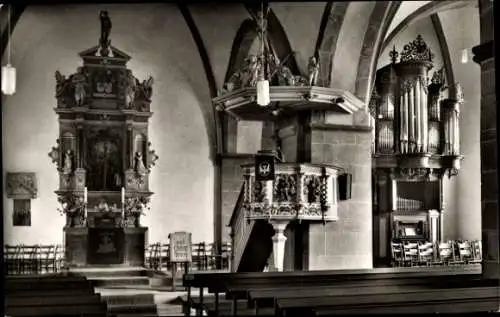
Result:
279,240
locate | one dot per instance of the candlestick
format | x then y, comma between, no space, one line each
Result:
85,195
123,203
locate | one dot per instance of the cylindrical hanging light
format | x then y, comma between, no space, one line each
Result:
263,96
8,71
8,80
465,56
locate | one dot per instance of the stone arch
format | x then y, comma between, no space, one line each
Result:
212,124
424,11
333,17
15,13
380,19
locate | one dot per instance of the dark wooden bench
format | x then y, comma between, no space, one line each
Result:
237,285
57,295
225,307
410,301
265,297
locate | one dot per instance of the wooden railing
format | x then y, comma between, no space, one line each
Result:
241,228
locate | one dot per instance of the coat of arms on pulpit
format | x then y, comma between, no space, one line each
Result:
264,167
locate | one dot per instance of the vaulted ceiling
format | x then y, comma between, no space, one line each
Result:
348,38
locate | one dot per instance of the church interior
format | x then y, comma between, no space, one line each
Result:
299,158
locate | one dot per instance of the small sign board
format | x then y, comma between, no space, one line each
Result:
180,246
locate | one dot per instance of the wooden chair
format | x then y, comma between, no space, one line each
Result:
425,253
164,257
150,255
28,259
60,257
397,254
200,257
410,253
477,252
11,257
46,259
446,253
465,252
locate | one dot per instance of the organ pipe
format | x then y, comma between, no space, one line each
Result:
425,120
418,115
412,120
411,116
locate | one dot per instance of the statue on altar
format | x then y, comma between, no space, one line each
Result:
131,84
68,162
140,169
105,28
79,81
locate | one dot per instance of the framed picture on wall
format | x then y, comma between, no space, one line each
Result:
22,213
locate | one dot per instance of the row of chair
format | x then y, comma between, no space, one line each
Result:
32,259
205,256
42,259
452,252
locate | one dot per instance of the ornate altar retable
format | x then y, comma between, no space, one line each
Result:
103,157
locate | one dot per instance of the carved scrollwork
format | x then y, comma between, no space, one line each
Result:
152,157
285,188
54,154
414,173
311,210
136,205
21,185
73,207
417,51
277,73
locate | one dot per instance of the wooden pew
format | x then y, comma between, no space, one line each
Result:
411,301
236,285
264,298
56,295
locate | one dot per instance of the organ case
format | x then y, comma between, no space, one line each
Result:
415,144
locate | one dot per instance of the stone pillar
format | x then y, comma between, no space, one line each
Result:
484,56
434,225
279,240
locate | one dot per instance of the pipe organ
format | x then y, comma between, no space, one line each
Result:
415,143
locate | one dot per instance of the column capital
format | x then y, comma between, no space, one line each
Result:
434,213
483,52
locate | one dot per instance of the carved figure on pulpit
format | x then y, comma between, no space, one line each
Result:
79,81
312,189
313,71
253,68
140,169
258,192
285,190
68,162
